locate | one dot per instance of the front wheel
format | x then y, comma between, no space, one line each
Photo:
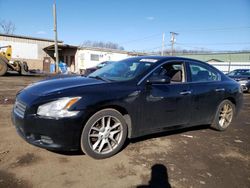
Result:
104,134
224,115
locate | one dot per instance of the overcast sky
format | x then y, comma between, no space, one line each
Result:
136,24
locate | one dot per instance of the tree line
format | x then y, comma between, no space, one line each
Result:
101,44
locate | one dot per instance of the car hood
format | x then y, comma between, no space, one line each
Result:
47,87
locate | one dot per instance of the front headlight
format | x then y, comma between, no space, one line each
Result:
58,108
243,82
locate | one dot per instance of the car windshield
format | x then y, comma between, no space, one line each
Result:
243,72
123,70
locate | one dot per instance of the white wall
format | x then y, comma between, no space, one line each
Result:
230,66
83,57
22,50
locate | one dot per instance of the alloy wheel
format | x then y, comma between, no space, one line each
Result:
105,134
226,115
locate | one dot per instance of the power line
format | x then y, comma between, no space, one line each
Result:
214,29
226,43
186,30
140,39
191,30
153,48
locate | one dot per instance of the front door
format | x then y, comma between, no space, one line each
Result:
167,104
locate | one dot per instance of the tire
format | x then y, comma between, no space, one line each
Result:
224,115
17,66
3,67
25,66
104,134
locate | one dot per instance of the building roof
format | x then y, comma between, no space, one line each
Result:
28,37
61,46
214,60
112,50
223,57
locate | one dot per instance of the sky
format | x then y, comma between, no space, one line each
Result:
137,25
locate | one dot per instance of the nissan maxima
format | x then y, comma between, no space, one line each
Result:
126,99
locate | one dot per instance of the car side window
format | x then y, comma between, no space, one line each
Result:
203,73
175,71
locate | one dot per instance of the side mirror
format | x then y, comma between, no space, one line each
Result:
159,80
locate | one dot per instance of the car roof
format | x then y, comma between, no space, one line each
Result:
163,58
242,69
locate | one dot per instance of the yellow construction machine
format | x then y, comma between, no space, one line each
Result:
6,64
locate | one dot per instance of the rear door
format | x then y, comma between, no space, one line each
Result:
207,91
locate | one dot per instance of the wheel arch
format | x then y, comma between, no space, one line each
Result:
121,110
231,99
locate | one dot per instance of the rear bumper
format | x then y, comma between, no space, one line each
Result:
52,134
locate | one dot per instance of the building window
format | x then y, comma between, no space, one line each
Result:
94,57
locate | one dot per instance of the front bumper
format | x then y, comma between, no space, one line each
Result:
52,134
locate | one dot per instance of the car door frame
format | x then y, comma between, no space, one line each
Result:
144,87
216,92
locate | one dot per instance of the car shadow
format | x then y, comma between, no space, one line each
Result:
68,153
159,177
139,139
167,133
14,74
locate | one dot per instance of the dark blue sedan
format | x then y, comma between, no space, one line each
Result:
125,99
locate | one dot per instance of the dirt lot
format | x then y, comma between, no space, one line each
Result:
198,157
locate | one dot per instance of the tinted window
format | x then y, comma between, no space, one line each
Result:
203,73
175,71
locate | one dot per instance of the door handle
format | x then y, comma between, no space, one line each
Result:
185,92
220,89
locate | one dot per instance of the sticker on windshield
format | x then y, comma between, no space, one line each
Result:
149,60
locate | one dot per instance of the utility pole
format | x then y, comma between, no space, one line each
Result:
55,31
173,34
163,43
229,63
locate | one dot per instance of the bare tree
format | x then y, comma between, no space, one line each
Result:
101,44
7,27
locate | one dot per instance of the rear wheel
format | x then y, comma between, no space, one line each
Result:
3,67
104,134
224,115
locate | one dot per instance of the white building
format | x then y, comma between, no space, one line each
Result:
87,57
39,53
29,49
